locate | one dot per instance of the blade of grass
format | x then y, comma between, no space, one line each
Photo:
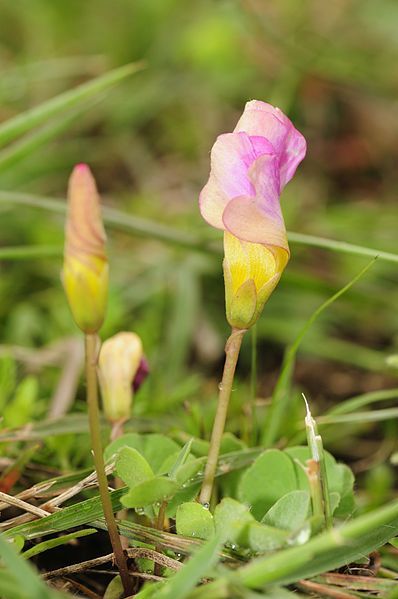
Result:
26,121
52,543
340,246
118,220
196,568
28,252
280,397
71,423
327,551
349,405
30,142
145,227
369,416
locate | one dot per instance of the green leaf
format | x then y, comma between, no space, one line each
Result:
153,446
22,123
114,589
188,471
262,538
184,495
289,512
181,459
231,518
271,476
132,468
149,492
334,501
194,520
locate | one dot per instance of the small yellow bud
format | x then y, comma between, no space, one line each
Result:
251,273
85,270
119,361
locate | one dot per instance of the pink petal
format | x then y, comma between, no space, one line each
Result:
231,157
245,219
260,118
259,218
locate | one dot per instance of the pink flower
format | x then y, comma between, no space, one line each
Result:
249,169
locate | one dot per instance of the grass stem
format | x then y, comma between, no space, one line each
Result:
95,432
232,349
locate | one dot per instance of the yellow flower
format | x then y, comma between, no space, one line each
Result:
251,273
85,269
119,361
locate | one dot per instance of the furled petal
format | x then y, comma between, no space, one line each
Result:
260,118
244,219
231,158
259,218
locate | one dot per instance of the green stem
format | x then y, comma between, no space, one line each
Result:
324,484
232,349
159,526
95,432
316,470
253,383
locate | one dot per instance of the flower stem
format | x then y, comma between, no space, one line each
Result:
232,348
95,432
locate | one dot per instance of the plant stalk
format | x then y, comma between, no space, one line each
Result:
232,348
95,432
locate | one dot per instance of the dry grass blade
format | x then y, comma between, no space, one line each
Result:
23,505
49,506
323,590
133,552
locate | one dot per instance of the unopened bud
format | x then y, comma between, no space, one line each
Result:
121,360
85,270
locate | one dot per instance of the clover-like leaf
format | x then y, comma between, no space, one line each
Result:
132,467
154,447
194,520
271,476
289,512
230,518
150,491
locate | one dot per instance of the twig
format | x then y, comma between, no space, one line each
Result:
323,591
85,483
143,575
132,552
23,505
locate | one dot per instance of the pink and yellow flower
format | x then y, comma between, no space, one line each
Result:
249,169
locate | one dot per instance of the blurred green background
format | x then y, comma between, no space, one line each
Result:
331,67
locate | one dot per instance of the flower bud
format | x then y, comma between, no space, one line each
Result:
120,361
251,273
85,270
